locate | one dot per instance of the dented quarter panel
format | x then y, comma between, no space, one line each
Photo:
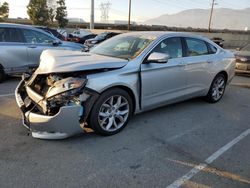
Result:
127,76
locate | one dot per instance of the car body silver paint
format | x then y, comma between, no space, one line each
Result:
149,97
155,84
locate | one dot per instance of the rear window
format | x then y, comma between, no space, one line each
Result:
196,47
212,48
9,35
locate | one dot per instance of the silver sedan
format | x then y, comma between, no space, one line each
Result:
122,76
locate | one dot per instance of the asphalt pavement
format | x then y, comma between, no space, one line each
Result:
191,144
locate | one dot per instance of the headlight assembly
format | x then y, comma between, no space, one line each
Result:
67,86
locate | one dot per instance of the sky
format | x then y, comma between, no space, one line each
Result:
142,10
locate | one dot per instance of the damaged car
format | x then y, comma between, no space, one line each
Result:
125,75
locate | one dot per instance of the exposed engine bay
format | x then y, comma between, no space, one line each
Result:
57,90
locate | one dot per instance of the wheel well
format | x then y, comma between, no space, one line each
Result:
129,91
2,73
225,74
1,67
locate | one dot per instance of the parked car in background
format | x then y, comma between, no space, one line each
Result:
99,38
83,39
21,47
243,59
127,74
80,33
53,32
63,32
219,41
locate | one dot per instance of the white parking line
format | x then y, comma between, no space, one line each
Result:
7,95
208,161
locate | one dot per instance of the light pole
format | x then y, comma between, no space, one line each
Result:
210,17
129,14
92,15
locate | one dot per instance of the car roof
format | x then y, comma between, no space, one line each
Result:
15,25
163,34
159,34
22,26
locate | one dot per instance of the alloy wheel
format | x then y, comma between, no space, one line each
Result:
113,113
218,88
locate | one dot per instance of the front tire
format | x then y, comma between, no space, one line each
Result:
217,89
111,112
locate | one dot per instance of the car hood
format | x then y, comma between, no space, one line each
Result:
59,61
95,39
72,45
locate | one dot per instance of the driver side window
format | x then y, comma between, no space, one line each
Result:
35,37
171,46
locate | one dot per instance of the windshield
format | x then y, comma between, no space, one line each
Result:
246,48
101,36
126,47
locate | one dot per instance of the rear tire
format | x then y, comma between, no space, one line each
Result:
217,89
111,112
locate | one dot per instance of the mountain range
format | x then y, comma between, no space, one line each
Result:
223,18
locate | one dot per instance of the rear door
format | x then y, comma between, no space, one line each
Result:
197,65
36,42
13,52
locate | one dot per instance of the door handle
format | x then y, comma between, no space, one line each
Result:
32,46
181,64
209,61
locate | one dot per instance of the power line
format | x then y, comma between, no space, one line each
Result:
105,7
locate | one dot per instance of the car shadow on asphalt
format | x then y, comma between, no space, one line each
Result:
138,121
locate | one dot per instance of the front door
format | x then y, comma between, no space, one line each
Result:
36,42
13,52
163,83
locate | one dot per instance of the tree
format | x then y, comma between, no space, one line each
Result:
51,15
4,10
38,12
61,13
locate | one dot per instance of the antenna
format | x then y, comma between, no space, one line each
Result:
105,7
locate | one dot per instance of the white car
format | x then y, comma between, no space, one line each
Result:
81,33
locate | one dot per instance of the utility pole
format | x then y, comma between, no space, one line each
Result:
129,14
92,15
210,17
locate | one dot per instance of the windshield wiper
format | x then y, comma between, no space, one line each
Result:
114,56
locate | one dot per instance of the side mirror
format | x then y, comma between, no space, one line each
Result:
157,57
56,42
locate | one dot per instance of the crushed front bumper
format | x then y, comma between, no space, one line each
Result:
61,125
